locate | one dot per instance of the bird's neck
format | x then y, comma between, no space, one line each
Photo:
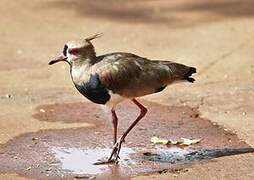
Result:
77,71
82,66
80,70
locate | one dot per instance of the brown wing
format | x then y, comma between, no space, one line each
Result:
132,76
119,74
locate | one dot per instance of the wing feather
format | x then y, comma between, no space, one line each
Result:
133,76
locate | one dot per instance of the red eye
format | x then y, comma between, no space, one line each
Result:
73,51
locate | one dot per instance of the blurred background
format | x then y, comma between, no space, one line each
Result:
215,36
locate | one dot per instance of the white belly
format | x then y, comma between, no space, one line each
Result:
114,100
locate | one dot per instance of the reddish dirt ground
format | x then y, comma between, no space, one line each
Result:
214,36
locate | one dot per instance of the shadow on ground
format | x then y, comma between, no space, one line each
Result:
170,13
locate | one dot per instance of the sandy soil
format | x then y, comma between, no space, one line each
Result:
215,36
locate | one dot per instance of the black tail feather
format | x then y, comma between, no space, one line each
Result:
188,75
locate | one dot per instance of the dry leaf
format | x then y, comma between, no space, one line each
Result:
156,140
185,141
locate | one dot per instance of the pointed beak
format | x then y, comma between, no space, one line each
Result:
61,57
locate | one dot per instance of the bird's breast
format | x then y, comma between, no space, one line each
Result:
94,90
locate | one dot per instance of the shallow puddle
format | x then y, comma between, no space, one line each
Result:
81,161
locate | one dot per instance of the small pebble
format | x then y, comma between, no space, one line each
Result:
19,51
8,96
244,113
34,138
48,169
42,110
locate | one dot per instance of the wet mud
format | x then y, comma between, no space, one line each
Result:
71,153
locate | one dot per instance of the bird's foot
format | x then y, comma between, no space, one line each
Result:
116,150
104,161
114,156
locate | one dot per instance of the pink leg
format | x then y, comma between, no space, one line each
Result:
115,122
143,112
117,146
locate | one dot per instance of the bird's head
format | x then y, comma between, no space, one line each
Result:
77,52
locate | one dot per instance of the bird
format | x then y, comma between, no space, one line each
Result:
115,77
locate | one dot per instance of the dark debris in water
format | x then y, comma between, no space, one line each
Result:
203,154
215,153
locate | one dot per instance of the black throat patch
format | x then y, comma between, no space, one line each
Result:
94,90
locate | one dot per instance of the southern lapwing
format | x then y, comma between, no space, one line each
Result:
112,78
